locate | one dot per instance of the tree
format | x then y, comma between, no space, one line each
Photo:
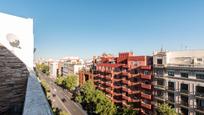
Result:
59,80
43,68
104,106
128,111
70,82
94,100
165,109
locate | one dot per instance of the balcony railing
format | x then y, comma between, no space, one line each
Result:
184,92
159,97
109,77
125,97
109,91
147,77
109,84
125,104
147,106
146,67
146,96
199,95
117,101
161,87
125,81
199,109
146,86
135,91
171,99
184,103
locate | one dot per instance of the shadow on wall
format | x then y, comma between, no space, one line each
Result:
13,82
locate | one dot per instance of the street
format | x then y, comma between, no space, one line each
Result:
61,98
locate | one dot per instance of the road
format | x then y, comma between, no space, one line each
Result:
69,106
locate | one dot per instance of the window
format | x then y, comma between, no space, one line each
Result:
199,59
200,76
170,73
185,75
159,61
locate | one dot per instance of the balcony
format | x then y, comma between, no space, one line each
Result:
199,95
134,92
171,100
146,86
117,94
146,67
109,84
125,73
116,72
125,81
199,92
134,75
117,101
125,97
117,86
184,92
101,76
109,78
160,87
125,104
108,71
184,103
146,106
199,109
109,91
101,88
134,100
125,89
160,97
146,96
146,77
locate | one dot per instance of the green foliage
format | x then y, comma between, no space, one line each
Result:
127,111
165,109
57,111
46,88
59,80
94,100
71,82
43,68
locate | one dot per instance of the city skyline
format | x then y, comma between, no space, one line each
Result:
84,29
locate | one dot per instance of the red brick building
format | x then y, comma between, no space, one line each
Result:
126,80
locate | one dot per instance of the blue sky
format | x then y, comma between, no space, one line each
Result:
91,27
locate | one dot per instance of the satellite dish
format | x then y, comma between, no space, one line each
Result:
13,40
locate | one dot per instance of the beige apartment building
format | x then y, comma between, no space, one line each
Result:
179,80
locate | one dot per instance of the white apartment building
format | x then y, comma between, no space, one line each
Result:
53,68
179,80
72,66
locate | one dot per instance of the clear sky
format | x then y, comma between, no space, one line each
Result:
91,27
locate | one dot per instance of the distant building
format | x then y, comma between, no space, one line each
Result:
72,66
179,80
53,69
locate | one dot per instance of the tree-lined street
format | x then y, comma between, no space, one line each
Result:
61,98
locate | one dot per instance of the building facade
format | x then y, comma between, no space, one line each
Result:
126,80
179,80
53,69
